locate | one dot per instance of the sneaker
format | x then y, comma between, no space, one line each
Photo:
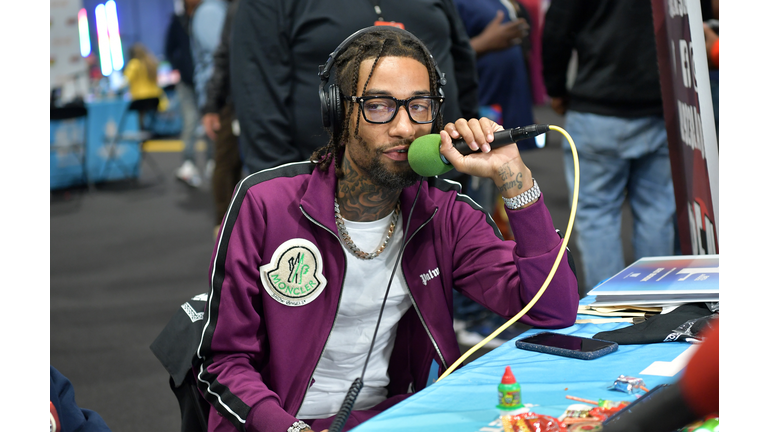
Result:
209,167
189,174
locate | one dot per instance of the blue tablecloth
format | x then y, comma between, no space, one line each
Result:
465,401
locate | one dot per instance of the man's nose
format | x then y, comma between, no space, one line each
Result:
401,125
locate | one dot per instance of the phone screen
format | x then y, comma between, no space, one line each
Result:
574,343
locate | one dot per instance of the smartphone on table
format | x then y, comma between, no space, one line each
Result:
567,345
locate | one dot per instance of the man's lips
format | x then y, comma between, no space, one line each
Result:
398,153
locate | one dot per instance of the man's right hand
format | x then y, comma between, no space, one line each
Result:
211,124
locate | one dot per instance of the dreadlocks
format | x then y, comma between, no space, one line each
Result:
375,44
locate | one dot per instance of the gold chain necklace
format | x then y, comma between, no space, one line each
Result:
347,240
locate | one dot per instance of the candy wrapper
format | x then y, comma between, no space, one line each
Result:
609,405
628,384
531,422
586,427
581,415
576,413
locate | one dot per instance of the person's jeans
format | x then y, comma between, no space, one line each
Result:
619,158
190,119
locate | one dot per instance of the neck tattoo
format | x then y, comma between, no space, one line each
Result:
347,240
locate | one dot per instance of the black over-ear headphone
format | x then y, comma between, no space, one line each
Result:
331,108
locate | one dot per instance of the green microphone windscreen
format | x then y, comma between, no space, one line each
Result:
424,156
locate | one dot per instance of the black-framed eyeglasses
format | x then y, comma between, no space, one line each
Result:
382,109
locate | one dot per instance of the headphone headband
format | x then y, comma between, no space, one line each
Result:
324,70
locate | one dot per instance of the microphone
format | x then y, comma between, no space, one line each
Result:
424,153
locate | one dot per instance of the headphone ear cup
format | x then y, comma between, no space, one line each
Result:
336,111
325,109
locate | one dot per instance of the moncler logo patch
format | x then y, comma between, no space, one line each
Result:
294,276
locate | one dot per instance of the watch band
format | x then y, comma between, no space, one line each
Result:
298,426
524,198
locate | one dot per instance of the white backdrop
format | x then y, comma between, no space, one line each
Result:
66,62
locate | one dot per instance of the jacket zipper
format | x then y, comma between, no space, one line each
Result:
335,315
413,301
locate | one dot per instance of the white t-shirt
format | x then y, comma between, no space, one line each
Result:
342,360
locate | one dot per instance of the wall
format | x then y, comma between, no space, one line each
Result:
66,62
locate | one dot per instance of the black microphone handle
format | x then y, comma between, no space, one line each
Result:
504,137
346,406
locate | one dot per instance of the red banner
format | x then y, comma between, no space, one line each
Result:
689,118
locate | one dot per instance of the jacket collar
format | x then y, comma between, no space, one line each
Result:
317,201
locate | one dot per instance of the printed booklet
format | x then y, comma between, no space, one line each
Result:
662,280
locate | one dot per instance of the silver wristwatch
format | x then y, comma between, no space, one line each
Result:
524,198
298,426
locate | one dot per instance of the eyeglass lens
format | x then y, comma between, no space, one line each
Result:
420,109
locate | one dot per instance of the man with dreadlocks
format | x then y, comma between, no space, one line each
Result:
311,253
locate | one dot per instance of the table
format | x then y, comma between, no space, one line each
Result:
103,118
66,165
465,400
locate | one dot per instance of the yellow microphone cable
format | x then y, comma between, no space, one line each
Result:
551,272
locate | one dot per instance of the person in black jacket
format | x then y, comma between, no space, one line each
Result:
277,46
614,115
218,116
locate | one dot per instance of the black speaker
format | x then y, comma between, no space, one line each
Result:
331,108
